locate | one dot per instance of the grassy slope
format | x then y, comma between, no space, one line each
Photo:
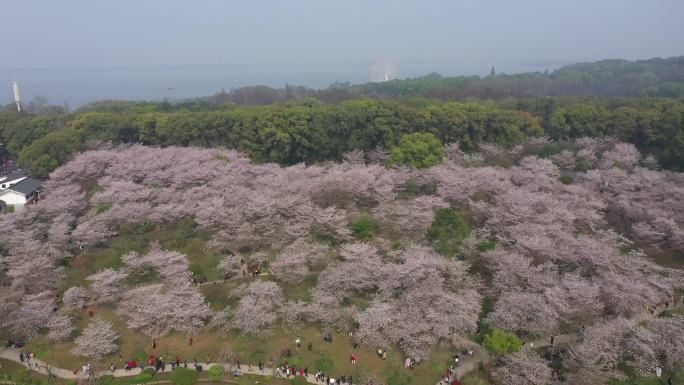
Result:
251,349
183,236
186,238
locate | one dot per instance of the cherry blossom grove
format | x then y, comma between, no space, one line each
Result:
563,252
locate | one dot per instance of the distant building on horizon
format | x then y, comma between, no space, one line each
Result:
17,95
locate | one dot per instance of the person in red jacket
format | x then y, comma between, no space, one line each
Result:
353,359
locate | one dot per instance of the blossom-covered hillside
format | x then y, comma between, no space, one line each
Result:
542,251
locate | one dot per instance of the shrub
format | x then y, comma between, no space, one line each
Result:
141,378
413,188
294,360
566,179
486,245
583,165
502,342
223,158
472,379
183,376
216,373
107,379
547,150
324,363
419,150
448,230
325,234
103,207
140,355
145,227
299,380
398,377
364,227
22,378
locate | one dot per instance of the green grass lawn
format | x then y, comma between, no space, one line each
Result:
183,236
10,367
252,349
668,258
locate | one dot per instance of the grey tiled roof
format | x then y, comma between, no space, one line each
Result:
13,175
26,186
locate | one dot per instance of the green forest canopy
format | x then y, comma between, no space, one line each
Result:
296,124
309,131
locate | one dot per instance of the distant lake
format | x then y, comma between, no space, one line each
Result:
82,85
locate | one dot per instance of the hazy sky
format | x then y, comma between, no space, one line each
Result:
452,37
126,33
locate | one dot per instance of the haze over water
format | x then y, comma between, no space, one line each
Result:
85,50
79,86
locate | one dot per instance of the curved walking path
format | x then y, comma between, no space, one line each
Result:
466,364
42,367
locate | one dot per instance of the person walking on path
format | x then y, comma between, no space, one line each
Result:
190,340
353,359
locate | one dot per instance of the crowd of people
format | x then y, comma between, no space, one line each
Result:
25,358
322,377
158,363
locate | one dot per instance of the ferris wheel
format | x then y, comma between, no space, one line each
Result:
384,70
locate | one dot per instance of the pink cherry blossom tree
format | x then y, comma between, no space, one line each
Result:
32,315
60,327
97,340
623,155
75,297
157,310
524,312
230,265
106,284
298,260
523,367
258,307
